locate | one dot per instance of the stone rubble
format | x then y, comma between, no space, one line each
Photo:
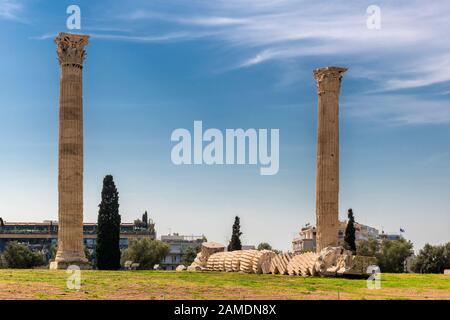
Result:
331,261
201,260
181,268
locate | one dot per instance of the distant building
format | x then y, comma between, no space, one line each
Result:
42,236
362,232
390,236
306,240
248,247
178,246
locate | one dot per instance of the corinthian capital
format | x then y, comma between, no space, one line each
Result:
329,78
70,48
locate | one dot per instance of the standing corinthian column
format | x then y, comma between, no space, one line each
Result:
327,180
71,55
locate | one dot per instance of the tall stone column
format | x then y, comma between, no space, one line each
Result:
71,55
327,179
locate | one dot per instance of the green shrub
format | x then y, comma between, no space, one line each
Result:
145,252
432,259
393,254
19,256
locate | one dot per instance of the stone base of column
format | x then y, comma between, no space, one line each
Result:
64,265
69,258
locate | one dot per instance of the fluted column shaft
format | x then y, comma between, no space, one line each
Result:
327,178
71,55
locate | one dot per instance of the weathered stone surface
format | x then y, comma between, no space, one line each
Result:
236,260
71,55
279,263
336,261
181,268
54,265
208,249
220,262
256,265
228,263
246,265
327,179
359,265
302,264
266,260
194,268
247,261
330,260
135,266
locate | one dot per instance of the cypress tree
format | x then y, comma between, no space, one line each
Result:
349,239
108,231
235,242
145,219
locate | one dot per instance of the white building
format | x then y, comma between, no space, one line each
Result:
306,240
178,246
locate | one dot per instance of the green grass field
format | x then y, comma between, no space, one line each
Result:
46,284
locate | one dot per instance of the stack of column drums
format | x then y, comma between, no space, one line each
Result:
262,261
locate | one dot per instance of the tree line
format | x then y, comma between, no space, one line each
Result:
145,253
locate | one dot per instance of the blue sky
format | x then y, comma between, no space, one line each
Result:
155,66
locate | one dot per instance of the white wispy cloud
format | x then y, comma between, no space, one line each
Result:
205,21
411,40
168,37
411,50
10,9
213,21
45,36
398,110
176,36
432,69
